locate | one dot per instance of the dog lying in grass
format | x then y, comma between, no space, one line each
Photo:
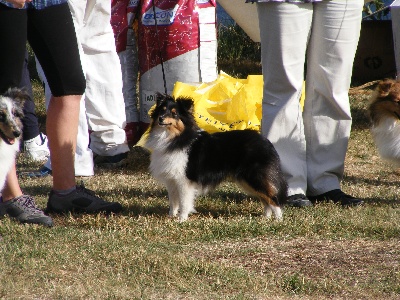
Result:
189,161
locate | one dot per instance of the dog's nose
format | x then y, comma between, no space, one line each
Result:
16,133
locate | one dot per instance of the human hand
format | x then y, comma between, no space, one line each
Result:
18,3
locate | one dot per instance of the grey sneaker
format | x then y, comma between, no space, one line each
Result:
24,209
80,200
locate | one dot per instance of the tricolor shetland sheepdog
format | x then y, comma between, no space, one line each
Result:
384,112
189,161
10,129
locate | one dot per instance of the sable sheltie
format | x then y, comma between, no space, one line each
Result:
10,129
189,161
384,113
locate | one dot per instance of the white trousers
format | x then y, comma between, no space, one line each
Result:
103,108
104,101
312,144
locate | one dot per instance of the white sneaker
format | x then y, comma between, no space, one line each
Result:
37,148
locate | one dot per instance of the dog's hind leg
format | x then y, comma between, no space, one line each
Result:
276,210
267,199
270,207
267,211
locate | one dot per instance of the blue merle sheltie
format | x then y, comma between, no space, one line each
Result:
11,115
190,161
384,113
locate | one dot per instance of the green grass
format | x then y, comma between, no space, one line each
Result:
234,45
226,251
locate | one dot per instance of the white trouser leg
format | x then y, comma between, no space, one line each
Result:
285,29
312,146
105,107
327,119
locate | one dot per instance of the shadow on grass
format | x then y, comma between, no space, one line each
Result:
155,202
373,182
376,183
360,119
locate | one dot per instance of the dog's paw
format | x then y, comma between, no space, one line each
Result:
183,217
275,210
173,213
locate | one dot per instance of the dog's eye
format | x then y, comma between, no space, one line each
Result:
2,117
18,113
174,113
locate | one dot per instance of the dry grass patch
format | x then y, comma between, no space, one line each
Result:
226,251
356,269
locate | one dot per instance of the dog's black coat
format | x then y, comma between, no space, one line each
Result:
243,156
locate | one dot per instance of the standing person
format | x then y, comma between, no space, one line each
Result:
49,29
102,113
319,38
34,141
104,100
123,13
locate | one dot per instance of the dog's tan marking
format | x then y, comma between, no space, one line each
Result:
267,199
175,127
385,101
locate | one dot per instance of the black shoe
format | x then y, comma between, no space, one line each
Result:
111,162
337,196
81,200
298,200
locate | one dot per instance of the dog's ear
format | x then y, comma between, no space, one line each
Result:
18,95
384,87
159,98
185,104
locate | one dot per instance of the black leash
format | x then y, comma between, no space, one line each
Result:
159,48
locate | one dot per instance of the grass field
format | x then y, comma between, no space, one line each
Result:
226,251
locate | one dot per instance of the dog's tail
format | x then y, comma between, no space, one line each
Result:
282,190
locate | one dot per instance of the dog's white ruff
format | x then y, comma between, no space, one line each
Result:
169,168
386,136
7,158
7,152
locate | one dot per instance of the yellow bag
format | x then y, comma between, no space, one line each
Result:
226,103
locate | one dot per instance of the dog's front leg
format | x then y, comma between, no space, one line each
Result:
173,196
187,194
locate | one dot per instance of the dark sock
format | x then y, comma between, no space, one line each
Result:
64,192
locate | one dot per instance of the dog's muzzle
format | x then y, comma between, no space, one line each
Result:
9,140
161,122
